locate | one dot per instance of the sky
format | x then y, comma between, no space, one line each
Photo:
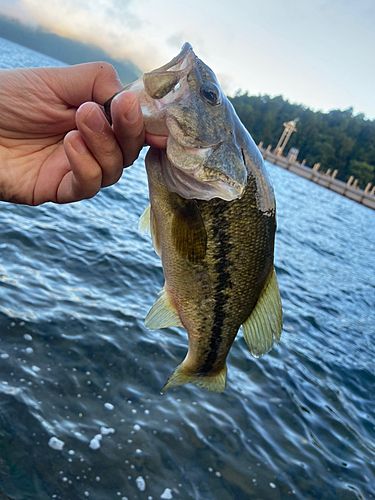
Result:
319,53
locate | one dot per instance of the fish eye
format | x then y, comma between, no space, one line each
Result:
210,93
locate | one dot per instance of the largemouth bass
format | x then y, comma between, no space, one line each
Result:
212,219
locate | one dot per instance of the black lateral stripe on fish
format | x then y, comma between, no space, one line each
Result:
224,282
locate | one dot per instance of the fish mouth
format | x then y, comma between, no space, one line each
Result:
209,174
194,164
185,173
191,187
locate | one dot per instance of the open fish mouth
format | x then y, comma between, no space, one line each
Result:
192,188
201,167
199,181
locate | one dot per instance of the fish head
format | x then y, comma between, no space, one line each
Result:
183,100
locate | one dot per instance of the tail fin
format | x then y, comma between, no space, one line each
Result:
212,382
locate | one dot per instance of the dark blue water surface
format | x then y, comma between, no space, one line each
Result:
77,364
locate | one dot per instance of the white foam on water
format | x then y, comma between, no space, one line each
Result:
106,430
141,484
27,337
109,406
56,443
167,494
136,427
95,442
29,350
4,355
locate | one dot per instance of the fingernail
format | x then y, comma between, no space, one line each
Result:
95,120
132,114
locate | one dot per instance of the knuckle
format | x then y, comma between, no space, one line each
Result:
109,180
107,68
93,176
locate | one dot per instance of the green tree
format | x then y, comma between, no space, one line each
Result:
362,171
337,140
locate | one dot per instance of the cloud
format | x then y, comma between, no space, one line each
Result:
227,83
15,10
299,49
108,24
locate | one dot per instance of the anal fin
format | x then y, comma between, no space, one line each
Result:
162,314
263,327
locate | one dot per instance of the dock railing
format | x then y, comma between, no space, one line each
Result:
327,179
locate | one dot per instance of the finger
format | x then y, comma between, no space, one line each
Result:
156,141
76,84
128,125
85,177
101,141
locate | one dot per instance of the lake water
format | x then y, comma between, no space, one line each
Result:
77,364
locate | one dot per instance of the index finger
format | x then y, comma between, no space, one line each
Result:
128,125
84,82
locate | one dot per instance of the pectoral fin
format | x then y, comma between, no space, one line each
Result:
144,221
147,224
263,327
188,232
162,314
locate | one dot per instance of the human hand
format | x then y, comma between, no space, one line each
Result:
55,142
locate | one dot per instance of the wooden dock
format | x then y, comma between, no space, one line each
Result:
327,180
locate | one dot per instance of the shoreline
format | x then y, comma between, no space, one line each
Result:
323,179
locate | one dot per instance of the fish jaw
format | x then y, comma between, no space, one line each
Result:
158,89
191,175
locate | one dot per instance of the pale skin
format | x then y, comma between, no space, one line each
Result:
55,142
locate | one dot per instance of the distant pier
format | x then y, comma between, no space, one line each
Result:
327,179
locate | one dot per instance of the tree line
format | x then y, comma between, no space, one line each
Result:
337,139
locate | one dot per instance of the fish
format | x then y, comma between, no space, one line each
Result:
212,218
